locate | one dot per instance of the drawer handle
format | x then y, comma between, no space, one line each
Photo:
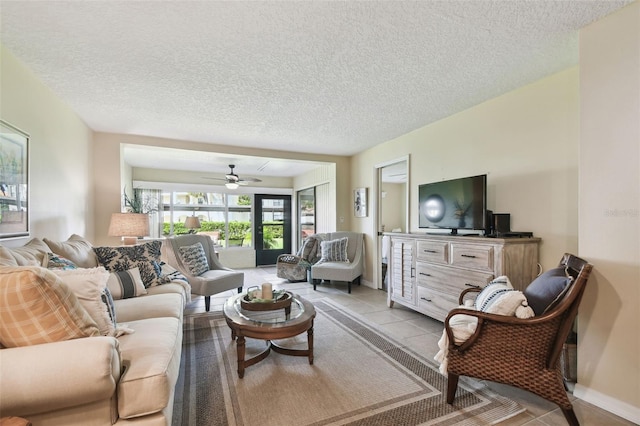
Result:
425,274
425,299
468,255
430,251
472,285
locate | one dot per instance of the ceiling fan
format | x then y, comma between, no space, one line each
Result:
232,180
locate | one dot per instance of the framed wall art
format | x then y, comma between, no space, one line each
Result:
360,202
14,182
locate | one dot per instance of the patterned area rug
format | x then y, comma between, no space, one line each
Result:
360,376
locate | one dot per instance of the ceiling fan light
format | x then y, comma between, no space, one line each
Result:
231,185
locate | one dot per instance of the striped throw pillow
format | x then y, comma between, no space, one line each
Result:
37,307
334,251
126,284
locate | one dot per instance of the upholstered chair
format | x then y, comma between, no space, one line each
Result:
206,275
338,264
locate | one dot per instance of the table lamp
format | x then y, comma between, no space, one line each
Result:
192,223
129,226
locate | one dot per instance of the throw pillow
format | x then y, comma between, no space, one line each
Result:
145,257
36,307
334,251
126,284
32,253
499,297
54,261
77,249
194,258
88,285
546,290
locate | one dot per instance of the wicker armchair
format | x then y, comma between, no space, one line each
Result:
524,353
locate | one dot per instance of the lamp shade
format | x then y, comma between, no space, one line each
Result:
231,185
192,222
129,225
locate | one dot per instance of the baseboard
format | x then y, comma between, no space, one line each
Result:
612,405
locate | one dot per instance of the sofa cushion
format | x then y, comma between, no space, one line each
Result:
89,287
55,261
126,284
32,253
145,257
194,258
37,307
152,357
334,250
77,249
544,292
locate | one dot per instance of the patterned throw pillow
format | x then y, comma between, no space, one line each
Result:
126,284
491,293
145,257
194,258
334,251
88,284
36,307
53,261
499,297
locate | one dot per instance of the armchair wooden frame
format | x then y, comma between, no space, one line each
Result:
524,353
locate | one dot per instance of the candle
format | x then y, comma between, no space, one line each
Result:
267,291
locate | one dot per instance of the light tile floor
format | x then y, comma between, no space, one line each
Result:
419,332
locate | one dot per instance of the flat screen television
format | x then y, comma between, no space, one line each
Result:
453,204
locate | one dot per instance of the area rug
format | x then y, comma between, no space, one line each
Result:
360,376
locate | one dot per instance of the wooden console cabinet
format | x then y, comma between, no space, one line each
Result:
428,272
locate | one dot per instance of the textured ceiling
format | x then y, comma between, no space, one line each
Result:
332,77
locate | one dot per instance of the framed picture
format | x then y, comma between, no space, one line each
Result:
14,182
360,202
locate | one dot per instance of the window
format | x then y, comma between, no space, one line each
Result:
306,214
226,218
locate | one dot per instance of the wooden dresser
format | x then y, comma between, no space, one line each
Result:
428,272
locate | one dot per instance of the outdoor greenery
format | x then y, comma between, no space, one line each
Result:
238,231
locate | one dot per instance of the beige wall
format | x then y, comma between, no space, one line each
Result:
608,347
527,143
60,198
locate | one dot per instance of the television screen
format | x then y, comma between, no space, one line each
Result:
453,204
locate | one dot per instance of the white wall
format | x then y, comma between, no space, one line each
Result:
609,340
60,181
527,143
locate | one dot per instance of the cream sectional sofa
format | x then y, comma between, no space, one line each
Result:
98,380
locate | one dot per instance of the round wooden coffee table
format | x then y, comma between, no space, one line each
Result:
269,325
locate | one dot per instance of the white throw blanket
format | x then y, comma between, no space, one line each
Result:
510,303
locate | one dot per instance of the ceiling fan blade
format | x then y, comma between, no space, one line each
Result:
213,178
251,179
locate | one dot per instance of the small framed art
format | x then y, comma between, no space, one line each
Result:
360,202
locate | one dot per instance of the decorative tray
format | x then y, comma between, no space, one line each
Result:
281,300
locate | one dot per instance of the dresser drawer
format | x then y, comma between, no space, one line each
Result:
433,251
472,256
435,304
448,279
